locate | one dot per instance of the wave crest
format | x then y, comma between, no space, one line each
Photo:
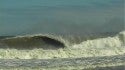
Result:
47,41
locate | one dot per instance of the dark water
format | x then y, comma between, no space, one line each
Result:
18,17
28,42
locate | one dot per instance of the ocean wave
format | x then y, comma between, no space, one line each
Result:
48,41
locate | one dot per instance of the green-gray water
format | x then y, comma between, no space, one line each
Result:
80,17
90,31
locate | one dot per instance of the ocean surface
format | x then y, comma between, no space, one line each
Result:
55,24
82,17
62,34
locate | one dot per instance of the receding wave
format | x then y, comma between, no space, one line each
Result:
47,41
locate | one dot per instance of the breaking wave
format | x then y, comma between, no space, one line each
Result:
48,41
110,42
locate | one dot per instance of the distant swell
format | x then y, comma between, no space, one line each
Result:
47,41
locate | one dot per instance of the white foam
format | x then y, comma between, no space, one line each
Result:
116,41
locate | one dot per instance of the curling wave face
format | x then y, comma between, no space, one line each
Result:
33,41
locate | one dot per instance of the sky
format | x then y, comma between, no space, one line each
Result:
18,17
